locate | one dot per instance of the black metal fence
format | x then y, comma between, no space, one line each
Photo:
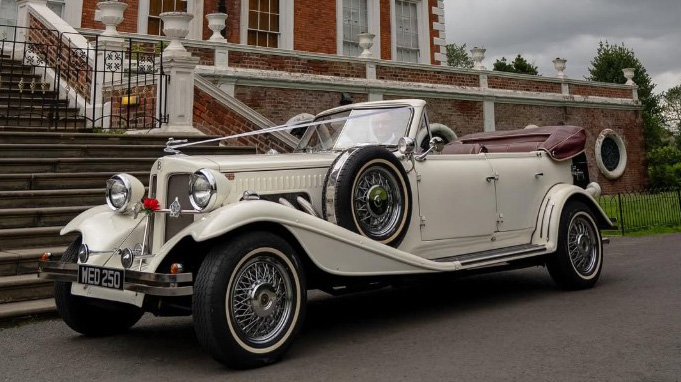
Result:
60,80
641,210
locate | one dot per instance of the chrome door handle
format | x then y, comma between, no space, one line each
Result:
537,175
491,178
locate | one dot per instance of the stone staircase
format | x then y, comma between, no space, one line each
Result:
46,179
25,100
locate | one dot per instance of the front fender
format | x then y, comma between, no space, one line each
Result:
548,220
332,248
103,229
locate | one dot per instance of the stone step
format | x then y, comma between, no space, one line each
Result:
13,93
11,135
22,238
51,198
14,101
25,261
40,121
38,217
20,309
9,69
58,112
43,165
106,150
62,181
24,288
15,78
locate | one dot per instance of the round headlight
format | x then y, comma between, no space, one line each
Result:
406,145
127,258
121,189
202,187
83,253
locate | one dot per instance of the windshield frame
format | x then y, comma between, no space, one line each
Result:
303,145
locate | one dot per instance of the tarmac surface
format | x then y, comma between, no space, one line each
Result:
509,326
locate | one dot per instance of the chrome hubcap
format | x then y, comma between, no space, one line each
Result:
261,299
582,246
377,202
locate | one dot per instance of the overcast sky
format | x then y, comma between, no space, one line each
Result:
542,30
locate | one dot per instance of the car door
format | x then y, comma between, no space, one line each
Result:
456,196
521,184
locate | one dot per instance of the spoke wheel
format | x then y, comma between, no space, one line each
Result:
367,191
249,299
578,261
260,301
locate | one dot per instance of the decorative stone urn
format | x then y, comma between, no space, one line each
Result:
478,54
112,15
216,23
176,27
366,41
559,64
629,75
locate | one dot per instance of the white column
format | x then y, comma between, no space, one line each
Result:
23,16
488,115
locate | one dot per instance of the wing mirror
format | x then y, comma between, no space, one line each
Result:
436,145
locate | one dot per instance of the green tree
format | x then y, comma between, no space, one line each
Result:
458,57
671,108
518,65
607,66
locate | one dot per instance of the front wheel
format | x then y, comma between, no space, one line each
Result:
577,262
249,300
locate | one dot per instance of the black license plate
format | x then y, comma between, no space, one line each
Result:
101,277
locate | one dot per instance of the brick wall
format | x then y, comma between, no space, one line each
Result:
279,105
464,117
206,56
296,65
386,22
509,83
315,26
393,73
600,91
213,118
141,115
625,122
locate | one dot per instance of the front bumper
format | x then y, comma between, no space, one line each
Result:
155,284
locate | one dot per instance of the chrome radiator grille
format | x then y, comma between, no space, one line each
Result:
178,187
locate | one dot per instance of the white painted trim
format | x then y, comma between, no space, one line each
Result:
283,80
373,26
195,8
143,17
286,23
424,31
73,12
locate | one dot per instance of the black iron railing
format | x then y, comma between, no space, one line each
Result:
62,80
642,210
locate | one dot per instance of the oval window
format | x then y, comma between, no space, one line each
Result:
611,154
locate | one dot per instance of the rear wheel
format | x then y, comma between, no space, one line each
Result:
577,262
89,316
249,300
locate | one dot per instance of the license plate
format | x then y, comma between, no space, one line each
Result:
101,277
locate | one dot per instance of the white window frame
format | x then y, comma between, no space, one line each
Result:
423,15
73,13
373,26
194,7
285,24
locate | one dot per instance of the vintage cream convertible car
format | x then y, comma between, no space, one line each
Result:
238,240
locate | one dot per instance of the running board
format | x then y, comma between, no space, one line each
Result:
494,255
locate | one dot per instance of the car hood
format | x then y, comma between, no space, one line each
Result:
259,162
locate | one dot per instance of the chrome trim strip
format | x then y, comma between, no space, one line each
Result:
156,284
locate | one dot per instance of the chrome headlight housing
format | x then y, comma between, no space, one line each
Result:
207,189
121,189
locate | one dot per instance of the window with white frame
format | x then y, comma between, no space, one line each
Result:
156,7
355,21
263,23
57,6
407,31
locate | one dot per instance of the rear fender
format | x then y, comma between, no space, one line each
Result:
552,206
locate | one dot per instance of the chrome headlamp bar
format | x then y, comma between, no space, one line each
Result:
172,146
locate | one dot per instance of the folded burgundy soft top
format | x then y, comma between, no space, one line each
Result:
560,142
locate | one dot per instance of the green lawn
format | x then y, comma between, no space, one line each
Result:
644,212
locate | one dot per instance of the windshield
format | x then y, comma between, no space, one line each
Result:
357,127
